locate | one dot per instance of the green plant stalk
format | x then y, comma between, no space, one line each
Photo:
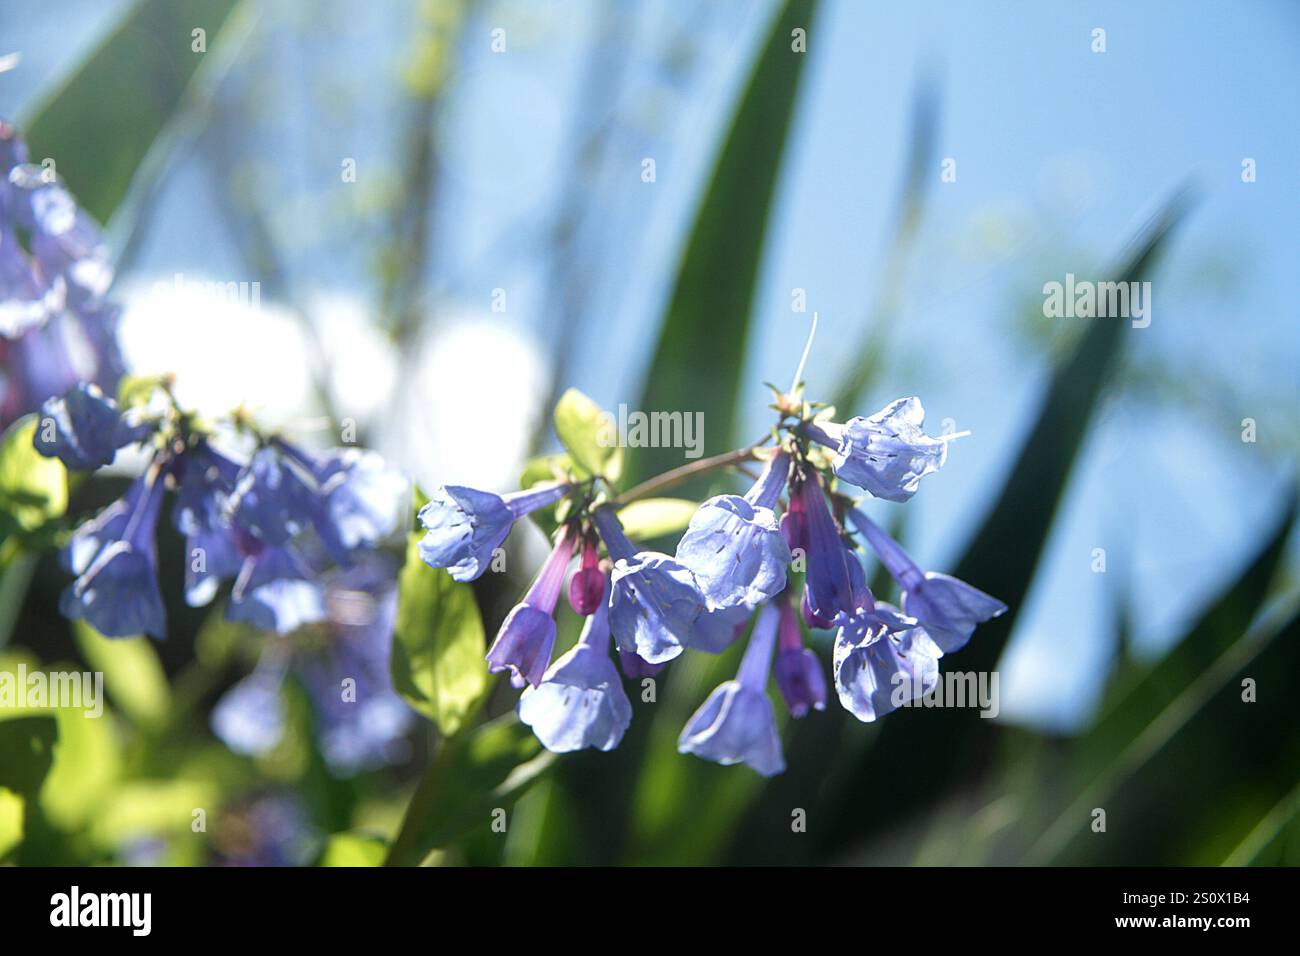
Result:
405,849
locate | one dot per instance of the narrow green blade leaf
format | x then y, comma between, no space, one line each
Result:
922,756
472,778
701,350
1148,692
99,124
1211,766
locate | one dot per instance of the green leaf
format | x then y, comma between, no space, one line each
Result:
1212,766
99,124
1137,700
11,821
701,350
33,488
28,747
133,674
438,643
587,432
354,849
472,777
656,517
149,806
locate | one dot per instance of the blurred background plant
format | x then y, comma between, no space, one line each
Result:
446,209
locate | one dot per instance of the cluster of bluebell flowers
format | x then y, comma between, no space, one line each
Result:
779,561
57,327
272,524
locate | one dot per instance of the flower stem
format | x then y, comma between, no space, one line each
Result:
677,475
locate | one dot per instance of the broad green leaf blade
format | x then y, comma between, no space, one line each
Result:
28,747
922,756
133,674
438,644
473,779
701,351
652,518
588,433
99,124
33,488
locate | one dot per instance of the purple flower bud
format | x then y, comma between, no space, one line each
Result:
587,587
466,525
798,671
836,584
523,645
737,723
948,609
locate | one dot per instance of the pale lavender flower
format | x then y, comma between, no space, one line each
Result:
737,723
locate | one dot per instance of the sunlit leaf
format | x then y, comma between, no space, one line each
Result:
11,821
586,433
655,517
33,488
133,675
438,644
354,849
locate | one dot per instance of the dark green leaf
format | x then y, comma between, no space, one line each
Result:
28,747
473,779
